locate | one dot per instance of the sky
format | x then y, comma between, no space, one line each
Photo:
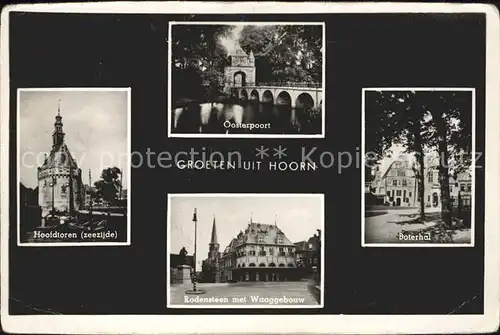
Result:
298,216
230,42
95,124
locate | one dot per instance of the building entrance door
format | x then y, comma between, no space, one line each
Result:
435,200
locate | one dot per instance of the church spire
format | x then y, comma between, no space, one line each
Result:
213,240
58,134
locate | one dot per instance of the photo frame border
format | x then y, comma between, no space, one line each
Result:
265,324
473,170
128,90
321,197
170,120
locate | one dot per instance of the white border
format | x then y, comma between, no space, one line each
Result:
128,167
170,134
266,324
247,195
473,173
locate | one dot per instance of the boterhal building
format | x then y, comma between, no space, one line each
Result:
260,253
60,187
398,186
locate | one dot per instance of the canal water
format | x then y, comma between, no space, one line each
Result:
226,118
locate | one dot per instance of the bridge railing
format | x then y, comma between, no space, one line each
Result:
290,84
275,84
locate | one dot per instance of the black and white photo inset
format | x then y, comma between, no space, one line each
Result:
245,251
419,166
73,166
246,79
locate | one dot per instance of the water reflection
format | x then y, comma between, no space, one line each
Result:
217,118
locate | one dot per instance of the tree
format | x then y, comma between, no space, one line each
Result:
452,125
198,60
108,186
258,39
396,117
285,53
413,125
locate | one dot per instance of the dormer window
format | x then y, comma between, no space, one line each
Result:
261,239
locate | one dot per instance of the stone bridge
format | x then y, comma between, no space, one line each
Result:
294,95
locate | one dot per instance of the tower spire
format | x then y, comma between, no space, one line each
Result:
213,240
58,134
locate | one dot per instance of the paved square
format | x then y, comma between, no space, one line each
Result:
248,293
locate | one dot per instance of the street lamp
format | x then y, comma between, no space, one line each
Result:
194,278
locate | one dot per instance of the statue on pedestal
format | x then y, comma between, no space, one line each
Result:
184,253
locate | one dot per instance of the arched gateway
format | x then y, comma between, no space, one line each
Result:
241,71
240,76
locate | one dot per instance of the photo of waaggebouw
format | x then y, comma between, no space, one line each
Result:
235,79
245,250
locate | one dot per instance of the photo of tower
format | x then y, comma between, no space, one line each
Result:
59,169
73,189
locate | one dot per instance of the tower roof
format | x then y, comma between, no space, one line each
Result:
59,156
213,240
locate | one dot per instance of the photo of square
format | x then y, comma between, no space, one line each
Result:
260,254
